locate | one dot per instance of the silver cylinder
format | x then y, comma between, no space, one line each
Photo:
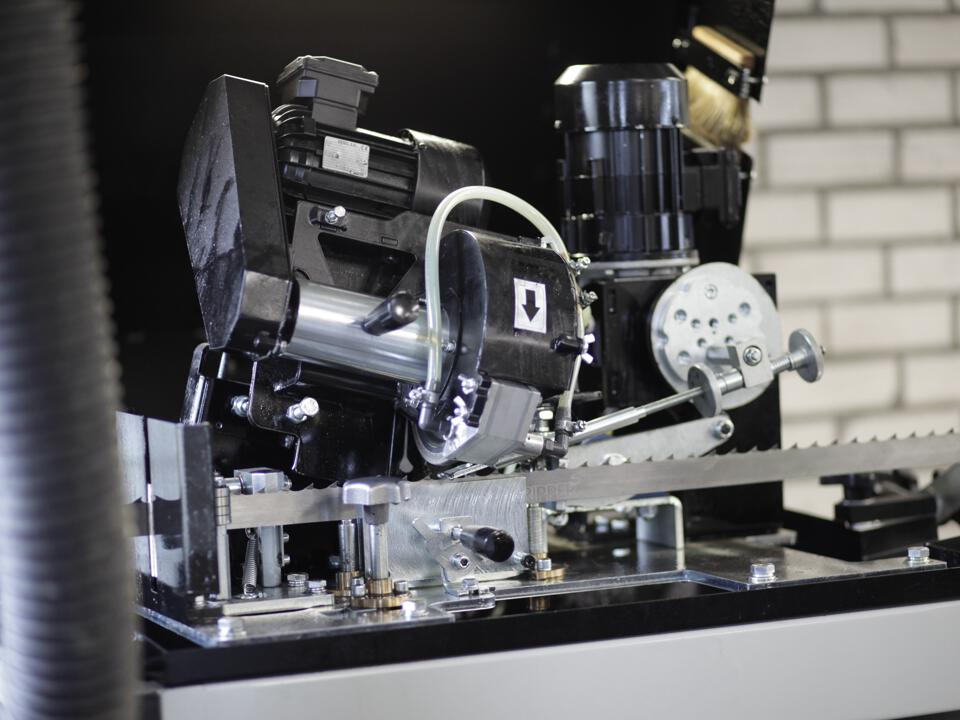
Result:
348,545
270,546
328,331
379,557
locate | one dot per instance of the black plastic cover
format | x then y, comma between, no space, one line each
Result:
620,96
232,214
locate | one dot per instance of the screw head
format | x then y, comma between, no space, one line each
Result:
763,572
401,587
918,555
240,405
752,355
723,429
711,291
460,561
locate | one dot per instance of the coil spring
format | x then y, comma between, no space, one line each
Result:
250,565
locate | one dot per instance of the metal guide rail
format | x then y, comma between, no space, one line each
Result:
628,479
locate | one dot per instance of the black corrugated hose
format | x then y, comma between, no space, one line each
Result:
65,594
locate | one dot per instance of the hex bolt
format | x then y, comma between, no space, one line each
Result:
335,216
752,356
918,555
240,405
297,580
230,627
303,410
763,572
460,561
401,587
470,584
358,588
468,385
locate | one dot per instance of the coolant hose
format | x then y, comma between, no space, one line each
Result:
65,589
431,272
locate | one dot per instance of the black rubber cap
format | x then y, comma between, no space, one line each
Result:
489,542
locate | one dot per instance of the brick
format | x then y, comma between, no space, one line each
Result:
829,158
823,274
901,423
930,154
879,6
889,213
926,41
805,433
789,7
931,379
808,318
930,269
883,325
829,44
889,98
846,386
788,103
774,218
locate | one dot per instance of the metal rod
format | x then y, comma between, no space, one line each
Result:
348,545
224,591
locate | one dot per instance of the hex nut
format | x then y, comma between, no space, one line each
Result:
298,580
918,555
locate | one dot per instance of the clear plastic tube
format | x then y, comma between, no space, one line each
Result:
432,271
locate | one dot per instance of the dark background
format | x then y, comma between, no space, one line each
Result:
480,72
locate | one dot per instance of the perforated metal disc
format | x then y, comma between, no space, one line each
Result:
715,304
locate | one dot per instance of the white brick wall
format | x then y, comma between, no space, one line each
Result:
856,207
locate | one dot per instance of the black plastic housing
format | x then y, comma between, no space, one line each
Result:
323,98
622,172
232,213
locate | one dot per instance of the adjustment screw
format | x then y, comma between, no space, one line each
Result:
303,410
335,216
763,572
230,627
297,580
240,405
752,355
460,561
401,587
918,555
